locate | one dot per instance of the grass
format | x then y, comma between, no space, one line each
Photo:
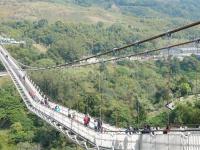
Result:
4,80
54,12
36,10
40,48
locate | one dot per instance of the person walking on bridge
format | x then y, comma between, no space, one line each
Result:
167,130
96,125
99,125
57,108
86,120
46,102
24,77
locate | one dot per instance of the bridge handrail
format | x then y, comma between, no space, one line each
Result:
91,135
79,115
46,111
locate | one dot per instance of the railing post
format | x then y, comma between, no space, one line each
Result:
168,141
188,144
155,141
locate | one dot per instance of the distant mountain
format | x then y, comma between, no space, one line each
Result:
188,9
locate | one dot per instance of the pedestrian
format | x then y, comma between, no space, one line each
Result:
46,102
166,130
69,114
127,129
135,130
146,130
157,128
57,108
88,121
24,77
85,120
41,102
32,94
131,130
73,116
95,125
99,125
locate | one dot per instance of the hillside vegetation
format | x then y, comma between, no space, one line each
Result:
19,129
60,31
188,9
122,85
36,10
88,11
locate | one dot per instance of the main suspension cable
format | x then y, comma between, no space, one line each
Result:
126,56
121,48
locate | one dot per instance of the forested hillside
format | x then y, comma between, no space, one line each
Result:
188,9
60,31
93,11
19,129
122,85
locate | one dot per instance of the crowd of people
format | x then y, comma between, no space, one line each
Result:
130,130
147,129
97,123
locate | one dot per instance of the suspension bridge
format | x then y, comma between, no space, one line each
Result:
112,137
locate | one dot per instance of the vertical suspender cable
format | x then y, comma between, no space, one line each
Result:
169,73
100,90
62,72
114,66
77,104
87,103
75,88
100,109
137,81
75,116
196,74
168,80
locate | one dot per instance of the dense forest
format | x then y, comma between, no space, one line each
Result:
19,129
118,89
126,92
122,85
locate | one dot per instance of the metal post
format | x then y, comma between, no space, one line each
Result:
155,141
196,46
169,71
168,142
100,90
138,112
